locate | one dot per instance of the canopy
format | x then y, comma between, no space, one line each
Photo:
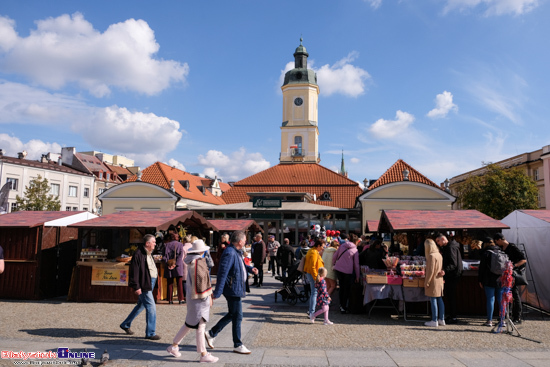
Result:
236,225
530,230
372,226
157,220
30,219
403,220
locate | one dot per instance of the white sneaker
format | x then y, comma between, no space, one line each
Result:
241,350
208,358
441,322
209,340
312,319
174,350
431,323
329,323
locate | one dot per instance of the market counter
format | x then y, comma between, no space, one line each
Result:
96,281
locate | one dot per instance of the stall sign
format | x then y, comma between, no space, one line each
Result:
109,276
260,202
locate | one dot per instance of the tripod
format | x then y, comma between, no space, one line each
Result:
507,326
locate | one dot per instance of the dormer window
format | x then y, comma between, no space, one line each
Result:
325,197
100,175
108,176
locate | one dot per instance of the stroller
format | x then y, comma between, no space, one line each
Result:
290,292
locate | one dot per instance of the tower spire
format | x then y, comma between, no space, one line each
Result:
343,171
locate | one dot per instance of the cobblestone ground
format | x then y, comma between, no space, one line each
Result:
273,325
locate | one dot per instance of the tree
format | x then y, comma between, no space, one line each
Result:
498,192
37,196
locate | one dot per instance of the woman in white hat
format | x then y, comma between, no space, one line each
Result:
199,301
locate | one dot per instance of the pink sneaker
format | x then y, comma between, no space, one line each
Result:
329,322
174,351
208,358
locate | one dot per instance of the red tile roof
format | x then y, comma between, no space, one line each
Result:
302,177
236,225
372,226
403,220
160,174
119,170
395,174
540,214
53,166
30,219
157,220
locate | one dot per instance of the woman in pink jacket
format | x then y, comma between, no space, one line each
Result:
346,266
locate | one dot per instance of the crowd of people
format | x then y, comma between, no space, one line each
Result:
325,267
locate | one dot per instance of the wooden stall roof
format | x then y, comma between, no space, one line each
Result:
403,220
159,220
236,225
372,226
30,219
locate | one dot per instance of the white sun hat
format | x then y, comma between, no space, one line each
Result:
198,247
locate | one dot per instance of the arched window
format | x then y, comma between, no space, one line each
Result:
298,143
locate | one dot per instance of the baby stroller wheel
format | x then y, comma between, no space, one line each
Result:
292,300
303,296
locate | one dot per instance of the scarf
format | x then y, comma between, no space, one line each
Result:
200,279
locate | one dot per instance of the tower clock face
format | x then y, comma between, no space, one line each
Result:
298,101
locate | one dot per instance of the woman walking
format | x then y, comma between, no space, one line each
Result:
488,280
312,264
327,257
174,268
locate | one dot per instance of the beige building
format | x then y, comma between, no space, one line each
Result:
401,187
134,196
534,164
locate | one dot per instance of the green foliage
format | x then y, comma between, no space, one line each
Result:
498,192
37,197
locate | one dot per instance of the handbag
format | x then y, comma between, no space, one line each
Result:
301,265
172,262
520,277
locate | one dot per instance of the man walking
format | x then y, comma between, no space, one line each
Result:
258,258
231,278
285,256
142,278
452,270
518,262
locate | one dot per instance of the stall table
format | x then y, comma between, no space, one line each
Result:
375,292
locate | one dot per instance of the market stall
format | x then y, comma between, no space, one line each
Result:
101,275
411,227
40,253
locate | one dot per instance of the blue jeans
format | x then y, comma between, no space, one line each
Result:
436,304
145,301
235,316
491,293
313,296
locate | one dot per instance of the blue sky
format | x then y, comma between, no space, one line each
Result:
442,84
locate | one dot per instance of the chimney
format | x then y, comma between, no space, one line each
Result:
172,185
138,176
1,152
372,181
405,175
22,155
44,158
60,161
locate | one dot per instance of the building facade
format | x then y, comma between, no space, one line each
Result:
73,188
534,164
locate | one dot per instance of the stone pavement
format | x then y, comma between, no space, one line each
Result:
294,341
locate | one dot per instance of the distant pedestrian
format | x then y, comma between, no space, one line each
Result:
173,262
272,249
142,278
331,277
259,252
199,301
312,264
323,298
452,267
346,267
1,260
285,256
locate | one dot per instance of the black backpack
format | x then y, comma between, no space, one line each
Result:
497,261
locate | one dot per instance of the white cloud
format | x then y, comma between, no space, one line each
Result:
340,78
390,128
232,167
67,49
493,7
354,160
375,4
35,148
119,130
443,105
174,163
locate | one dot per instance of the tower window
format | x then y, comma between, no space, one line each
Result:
298,144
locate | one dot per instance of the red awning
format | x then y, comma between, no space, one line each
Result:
158,220
236,225
30,219
372,226
403,220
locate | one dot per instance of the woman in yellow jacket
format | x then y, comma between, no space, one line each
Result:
311,267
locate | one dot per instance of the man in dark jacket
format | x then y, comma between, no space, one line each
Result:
286,256
258,257
518,262
231,278
142,278
452,270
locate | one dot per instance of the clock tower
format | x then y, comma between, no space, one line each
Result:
299,131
